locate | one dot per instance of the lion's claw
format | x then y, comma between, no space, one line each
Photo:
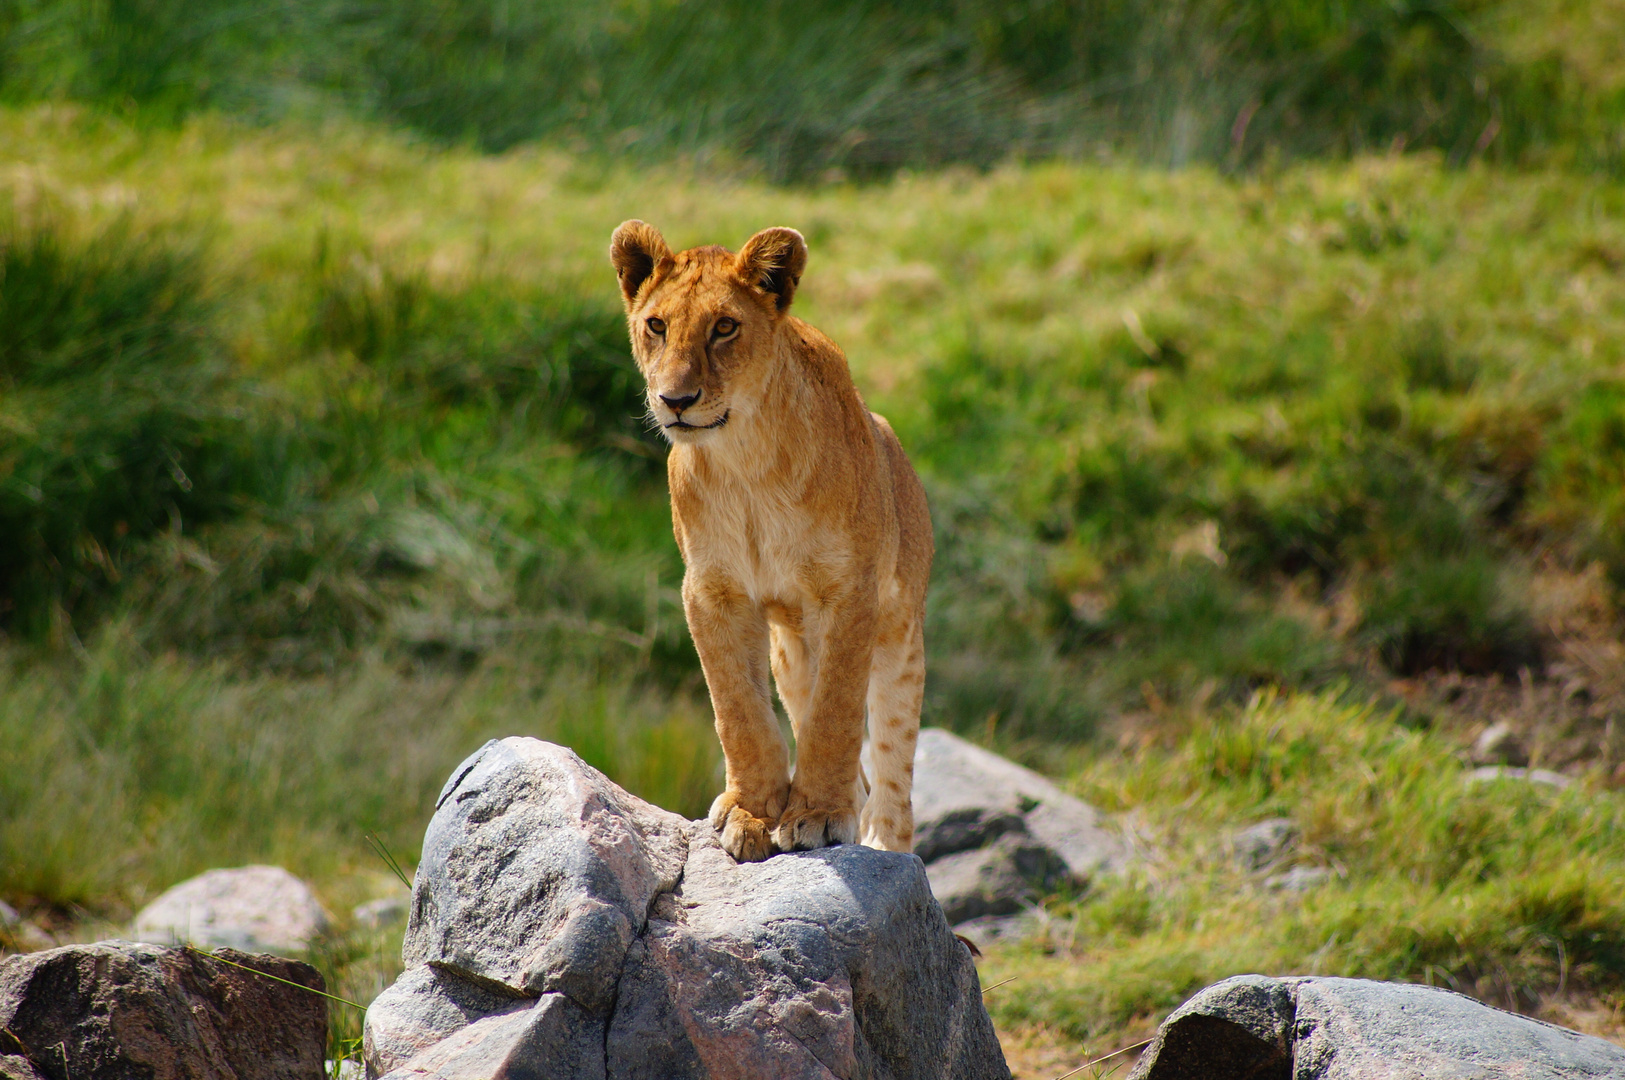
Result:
743,835
747,838
813,827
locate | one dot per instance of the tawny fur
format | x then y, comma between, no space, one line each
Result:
806,539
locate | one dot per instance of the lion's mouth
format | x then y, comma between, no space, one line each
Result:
680,425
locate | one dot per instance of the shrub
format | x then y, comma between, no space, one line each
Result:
1453,613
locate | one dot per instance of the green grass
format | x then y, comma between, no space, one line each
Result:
111,403
326,466
152,768
1506,891
865,86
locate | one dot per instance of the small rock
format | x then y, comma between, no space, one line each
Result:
994,835
8,916
1298,879
1487,773
253,908
1499,744
1310,1028
118,1009
563,928
1262,843
999,879
31,938
382,913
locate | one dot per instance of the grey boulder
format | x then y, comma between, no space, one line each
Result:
119,1009
997,879
995,836
1311,1028
253,908
562,928
1262,843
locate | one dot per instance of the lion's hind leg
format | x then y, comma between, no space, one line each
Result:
896,691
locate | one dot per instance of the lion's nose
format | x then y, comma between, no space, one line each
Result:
678,404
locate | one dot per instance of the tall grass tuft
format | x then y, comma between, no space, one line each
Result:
116,414
151,769
1456,614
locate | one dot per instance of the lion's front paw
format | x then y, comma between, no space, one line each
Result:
803,827
743,835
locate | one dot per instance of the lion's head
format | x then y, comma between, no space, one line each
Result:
704,322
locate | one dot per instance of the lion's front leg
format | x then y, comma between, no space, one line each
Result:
730,634
823,805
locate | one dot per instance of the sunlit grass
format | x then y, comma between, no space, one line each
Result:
125,772
1507,891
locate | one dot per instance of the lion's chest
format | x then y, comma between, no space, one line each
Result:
776,549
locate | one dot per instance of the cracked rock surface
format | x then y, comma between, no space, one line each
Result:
1311,1028
563,928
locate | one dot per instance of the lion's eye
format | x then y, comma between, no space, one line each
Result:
656,326
725,327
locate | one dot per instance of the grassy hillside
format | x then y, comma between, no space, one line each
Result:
865,86
320,464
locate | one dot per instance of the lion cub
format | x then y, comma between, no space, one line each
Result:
805,535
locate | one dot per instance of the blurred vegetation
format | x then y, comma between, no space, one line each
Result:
865,86
316,450
321,455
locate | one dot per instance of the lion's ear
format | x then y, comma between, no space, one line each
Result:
773,260
636,249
